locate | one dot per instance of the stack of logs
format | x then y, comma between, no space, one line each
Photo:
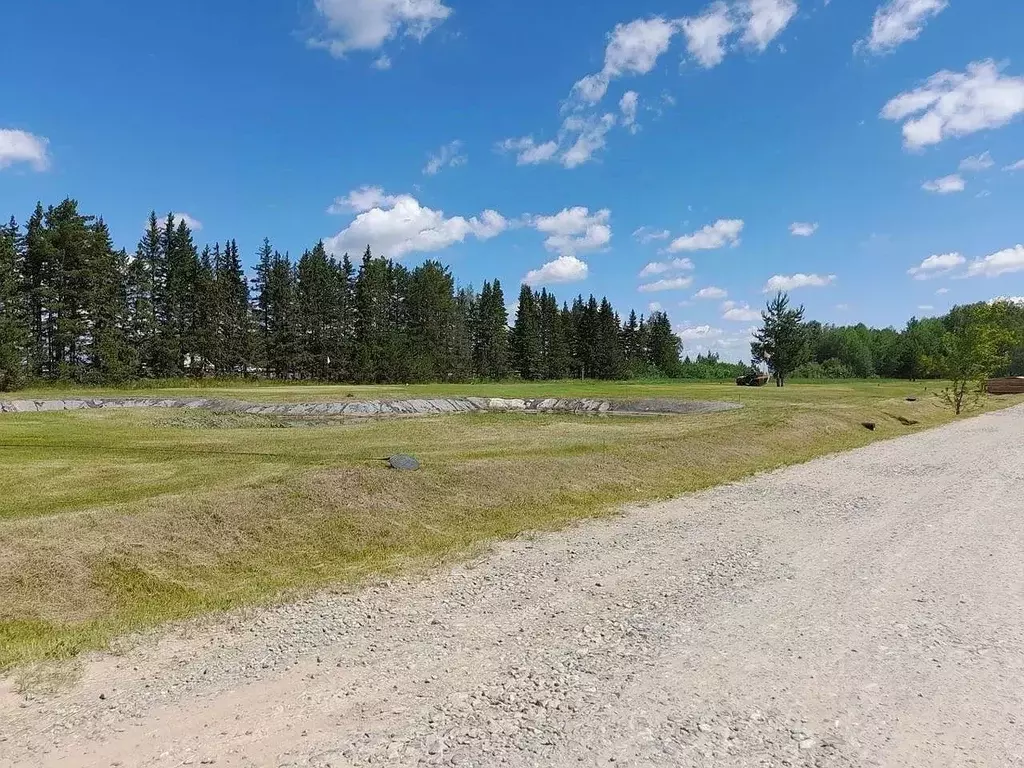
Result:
1008,386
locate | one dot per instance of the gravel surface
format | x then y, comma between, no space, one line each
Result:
861,610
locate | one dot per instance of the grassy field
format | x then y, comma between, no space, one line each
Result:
113,521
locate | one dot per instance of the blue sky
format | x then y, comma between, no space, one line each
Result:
647,150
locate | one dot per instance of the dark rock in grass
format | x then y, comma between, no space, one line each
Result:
403,462
868,425
911,399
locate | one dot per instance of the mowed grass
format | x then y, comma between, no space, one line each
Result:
114,521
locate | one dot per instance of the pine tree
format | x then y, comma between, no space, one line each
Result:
663,346
235,321
608,360
430,303
527,345
317,311
68,237
14,330
553,338
143,272
490,333
781,341
110,355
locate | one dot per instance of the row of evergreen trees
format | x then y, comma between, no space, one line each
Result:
73,307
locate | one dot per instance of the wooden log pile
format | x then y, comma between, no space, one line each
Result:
1007,386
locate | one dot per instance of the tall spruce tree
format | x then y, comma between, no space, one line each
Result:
14,329
527,344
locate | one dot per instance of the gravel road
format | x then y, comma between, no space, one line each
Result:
861,610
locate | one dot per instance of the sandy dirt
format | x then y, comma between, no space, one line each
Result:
861,610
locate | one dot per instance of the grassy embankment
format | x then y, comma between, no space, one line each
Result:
113,521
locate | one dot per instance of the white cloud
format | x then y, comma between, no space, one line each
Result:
448,156
633,48
764,20
711,292
396,225
999,263
646,235
1007,300
802,228
382,62
799,280
365,25
23,147
664,267
564,269
698,332
655,306
529,152
740,313
706,34
957,104
941,291
980,162
1018,166
934,266
590,137
628,106
946,185
575,230
723,232
925,307
898,22
362,199
668,284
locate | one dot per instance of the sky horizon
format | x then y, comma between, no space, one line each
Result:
694,157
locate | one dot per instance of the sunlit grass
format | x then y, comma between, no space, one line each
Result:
112,521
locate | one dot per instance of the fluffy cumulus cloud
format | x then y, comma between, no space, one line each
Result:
711,292
937,265
897,22
646,235
739,313
723,232
666,267
575,230
1000,263
976,163
951,104
946,185
633,49
396,225
799,280
706,34
655,306
528,152
666,284
764,20
21,147
564,269
365,25
1018,166
448,156
802,229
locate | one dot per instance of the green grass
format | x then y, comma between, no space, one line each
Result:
114,521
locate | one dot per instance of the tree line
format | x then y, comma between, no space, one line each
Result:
75,308
966,345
